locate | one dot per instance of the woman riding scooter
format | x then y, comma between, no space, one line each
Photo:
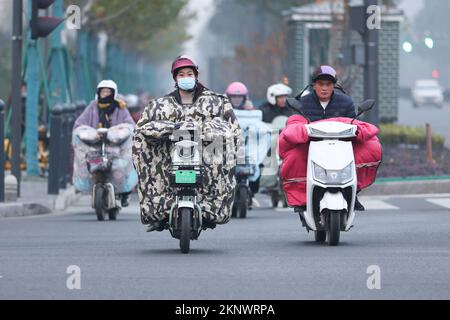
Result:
256,141
106,112
190,108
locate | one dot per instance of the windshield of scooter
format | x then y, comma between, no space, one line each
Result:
331,130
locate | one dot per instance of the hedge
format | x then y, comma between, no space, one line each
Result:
394,134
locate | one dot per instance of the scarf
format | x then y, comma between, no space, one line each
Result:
106,108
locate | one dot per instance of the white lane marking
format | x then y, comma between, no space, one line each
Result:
377,205
256,203
441,202
409,196
368,204
284,209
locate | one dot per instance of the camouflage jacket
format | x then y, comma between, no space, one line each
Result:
213,115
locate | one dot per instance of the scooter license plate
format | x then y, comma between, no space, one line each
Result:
185,177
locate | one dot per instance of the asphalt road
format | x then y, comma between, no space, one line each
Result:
418,117
267,256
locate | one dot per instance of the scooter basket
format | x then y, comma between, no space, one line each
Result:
98,163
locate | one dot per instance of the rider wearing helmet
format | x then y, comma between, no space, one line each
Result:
324,102
237,93
134,106
107,110
190,107
276,103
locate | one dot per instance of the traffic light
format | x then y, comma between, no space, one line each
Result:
41,27
429,42
436,74
407,47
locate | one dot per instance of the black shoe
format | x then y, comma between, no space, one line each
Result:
300,209
124,200
359,206
156,226
207,224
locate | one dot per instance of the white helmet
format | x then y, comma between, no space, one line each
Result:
132,101
277,90
110,85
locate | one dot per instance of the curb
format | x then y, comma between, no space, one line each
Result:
408,188
53,203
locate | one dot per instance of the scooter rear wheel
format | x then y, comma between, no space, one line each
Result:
243,205
113,214
99,203
275,197
186,230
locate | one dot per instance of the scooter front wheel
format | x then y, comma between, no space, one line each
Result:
334,228
99,203
186,230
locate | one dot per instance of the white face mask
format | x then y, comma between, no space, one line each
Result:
187,83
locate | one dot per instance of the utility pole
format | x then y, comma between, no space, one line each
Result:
17,91
371,74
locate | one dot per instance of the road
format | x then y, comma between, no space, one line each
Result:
267,256
438,118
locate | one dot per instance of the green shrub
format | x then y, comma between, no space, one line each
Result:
394,134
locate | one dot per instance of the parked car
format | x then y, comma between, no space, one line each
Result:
427,92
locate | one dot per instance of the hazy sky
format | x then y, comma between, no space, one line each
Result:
411,7
5,15
205,10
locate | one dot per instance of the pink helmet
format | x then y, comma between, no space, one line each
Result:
184,62
237,89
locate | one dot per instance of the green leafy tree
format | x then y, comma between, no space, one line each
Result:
149,26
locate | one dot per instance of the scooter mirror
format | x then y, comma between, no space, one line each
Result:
294,104
366,106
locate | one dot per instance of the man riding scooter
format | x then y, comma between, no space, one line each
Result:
275,113
325,103
275,106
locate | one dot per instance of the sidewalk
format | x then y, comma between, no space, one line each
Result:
35,200
409,186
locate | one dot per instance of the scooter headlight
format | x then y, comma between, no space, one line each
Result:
333,177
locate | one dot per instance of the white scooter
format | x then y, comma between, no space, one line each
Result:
331,179
186,177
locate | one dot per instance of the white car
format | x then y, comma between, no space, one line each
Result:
428,92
